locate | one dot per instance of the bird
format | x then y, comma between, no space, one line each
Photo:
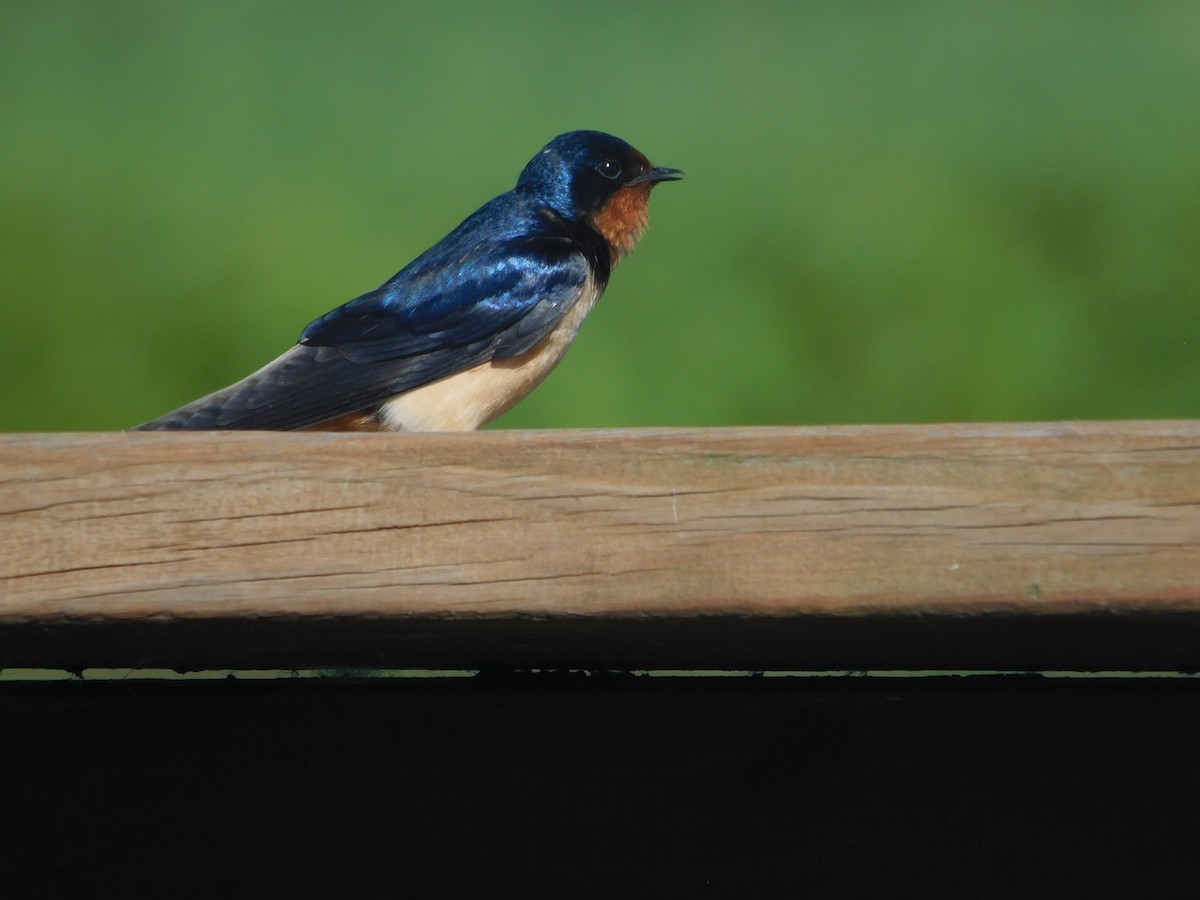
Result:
466,330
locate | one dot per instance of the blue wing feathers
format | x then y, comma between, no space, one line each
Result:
486,291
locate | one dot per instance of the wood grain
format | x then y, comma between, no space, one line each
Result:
648,547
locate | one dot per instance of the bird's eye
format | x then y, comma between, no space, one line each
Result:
610,168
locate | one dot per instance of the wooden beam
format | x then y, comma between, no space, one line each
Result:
1057,545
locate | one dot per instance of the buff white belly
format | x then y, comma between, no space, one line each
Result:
470,399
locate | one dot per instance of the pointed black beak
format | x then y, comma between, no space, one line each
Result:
657,174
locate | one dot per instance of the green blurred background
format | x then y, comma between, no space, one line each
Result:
893,212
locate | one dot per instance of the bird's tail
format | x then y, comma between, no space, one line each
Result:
212,413
250,404
305,388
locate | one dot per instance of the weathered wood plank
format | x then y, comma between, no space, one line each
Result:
655,547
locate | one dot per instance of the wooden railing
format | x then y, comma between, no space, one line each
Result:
1056,545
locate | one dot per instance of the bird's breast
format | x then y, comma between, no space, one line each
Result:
473,397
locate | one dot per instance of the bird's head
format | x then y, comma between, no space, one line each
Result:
599,180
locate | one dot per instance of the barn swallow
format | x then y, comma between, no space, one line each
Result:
472,325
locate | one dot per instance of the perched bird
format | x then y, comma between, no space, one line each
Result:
472,325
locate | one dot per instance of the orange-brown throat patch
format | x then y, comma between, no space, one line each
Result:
623,219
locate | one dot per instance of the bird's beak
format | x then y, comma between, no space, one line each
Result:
657,174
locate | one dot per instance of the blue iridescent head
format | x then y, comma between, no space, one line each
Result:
579,172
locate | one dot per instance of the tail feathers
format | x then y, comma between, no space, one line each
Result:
266,400
221,410
206,414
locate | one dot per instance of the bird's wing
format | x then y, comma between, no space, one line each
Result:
428,322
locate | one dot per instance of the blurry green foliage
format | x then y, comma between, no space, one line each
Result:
893,212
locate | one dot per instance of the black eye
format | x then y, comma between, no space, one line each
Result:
610,168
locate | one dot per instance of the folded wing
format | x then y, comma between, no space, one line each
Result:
430,321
